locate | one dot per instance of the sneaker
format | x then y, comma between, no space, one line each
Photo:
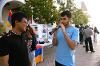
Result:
87,51
83,46
92,51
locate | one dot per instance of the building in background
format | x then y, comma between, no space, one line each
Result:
83,6
85,9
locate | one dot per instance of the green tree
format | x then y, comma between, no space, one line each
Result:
55,14
62,7
26,9
43,9
78,16
70,5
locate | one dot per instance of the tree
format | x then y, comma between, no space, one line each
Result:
70,5
55,14
62,7
26,9
43,9
78,16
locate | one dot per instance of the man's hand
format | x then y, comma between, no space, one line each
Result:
62,27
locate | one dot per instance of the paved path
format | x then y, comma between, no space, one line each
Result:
82,58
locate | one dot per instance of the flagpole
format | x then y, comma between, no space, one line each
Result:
32,17
32,14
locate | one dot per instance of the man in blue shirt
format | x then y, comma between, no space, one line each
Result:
65,38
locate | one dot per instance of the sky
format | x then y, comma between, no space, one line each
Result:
94,11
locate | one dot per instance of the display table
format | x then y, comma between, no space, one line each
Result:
46,44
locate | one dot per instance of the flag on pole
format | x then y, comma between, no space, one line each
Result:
9,16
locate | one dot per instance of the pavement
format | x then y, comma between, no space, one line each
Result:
82,58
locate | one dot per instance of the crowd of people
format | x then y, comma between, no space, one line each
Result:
88,36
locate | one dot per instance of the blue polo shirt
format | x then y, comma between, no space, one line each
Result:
64,54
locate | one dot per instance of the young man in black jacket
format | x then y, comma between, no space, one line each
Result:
13,50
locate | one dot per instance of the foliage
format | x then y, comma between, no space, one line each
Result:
47,13
62,7
42,9
78,16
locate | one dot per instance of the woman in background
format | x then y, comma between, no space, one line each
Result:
30,39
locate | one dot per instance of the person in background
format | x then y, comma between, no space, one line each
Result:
30,39
65,38
77,26
88,40
81,29
95,34
13,50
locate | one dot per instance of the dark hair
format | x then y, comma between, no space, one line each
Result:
17,16
77,26
66,13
